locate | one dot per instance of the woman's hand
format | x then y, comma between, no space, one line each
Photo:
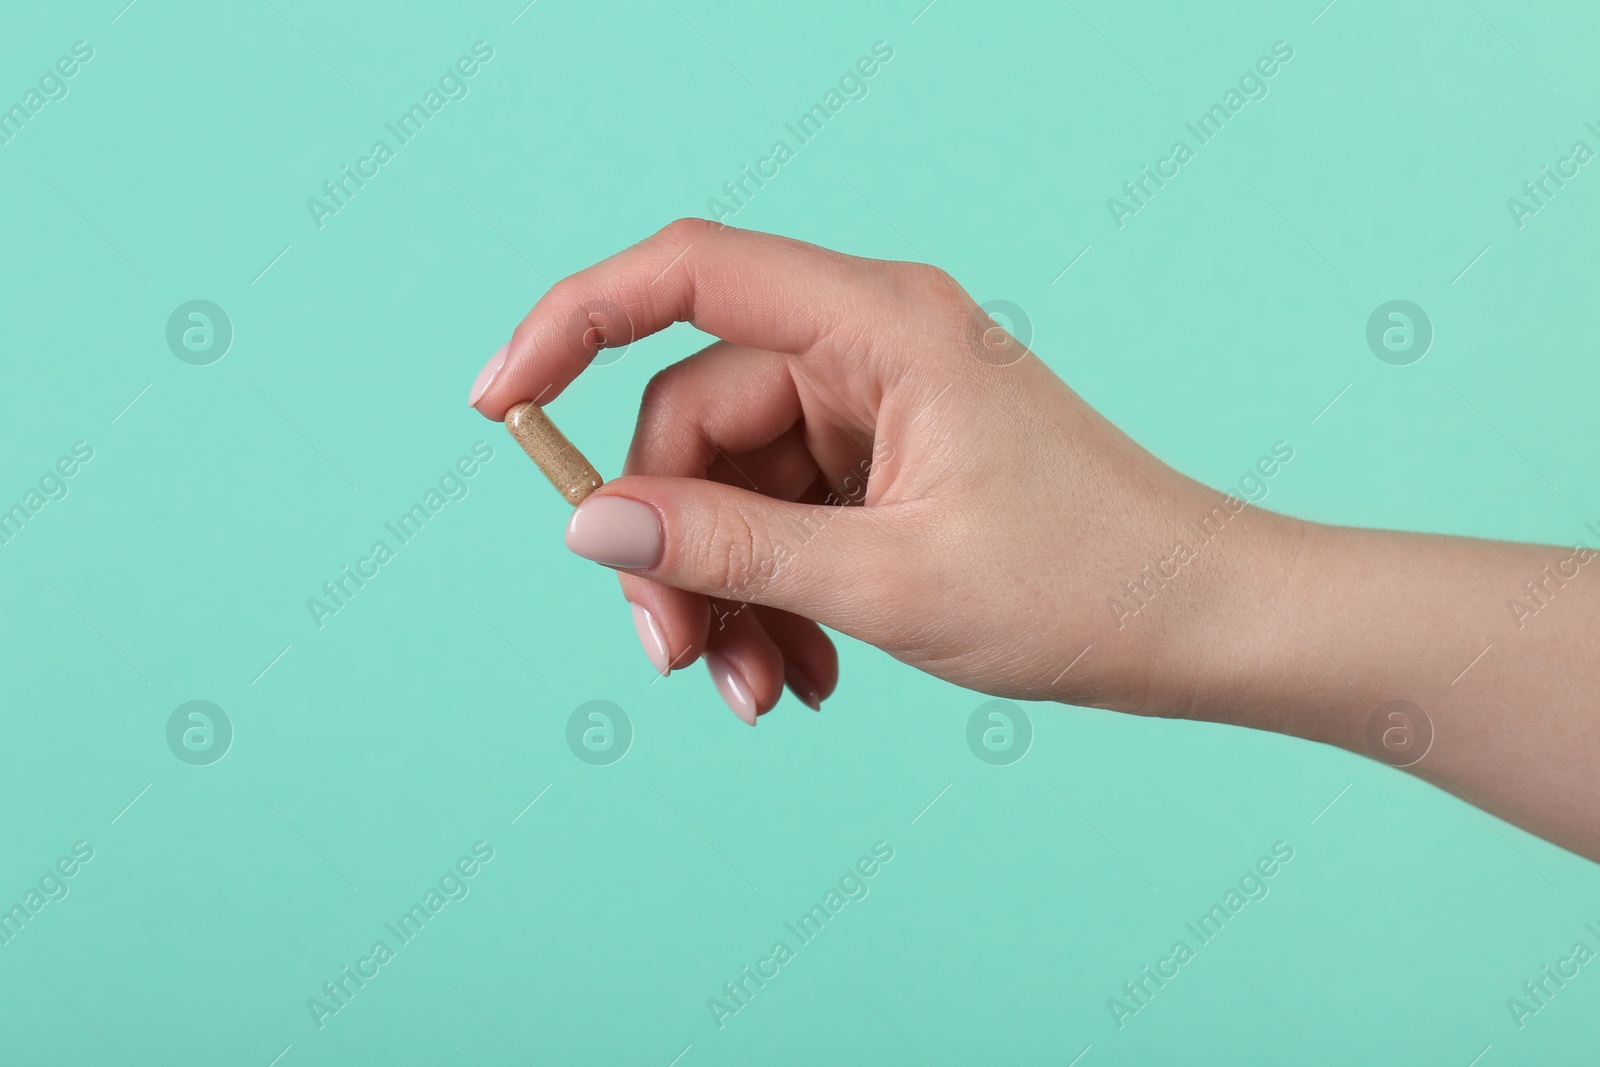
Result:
993,517
1005,537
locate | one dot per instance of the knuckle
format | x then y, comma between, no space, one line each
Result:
931,283
663,381
565,290
657,402
939,300
732,552
564,297
684,231
939,303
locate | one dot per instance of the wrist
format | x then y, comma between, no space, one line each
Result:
1212,651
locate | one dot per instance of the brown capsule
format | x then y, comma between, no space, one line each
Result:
572,475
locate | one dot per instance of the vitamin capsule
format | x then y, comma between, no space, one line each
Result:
571,474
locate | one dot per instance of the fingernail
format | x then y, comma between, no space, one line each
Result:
486,375
616,531
801,686
653,640
732,687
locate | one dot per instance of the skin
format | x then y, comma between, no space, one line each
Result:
993,515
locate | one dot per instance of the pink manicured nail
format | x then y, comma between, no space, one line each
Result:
486,375
616,531
801,686
653,640
731,685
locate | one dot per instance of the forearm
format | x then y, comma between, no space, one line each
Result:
1339,622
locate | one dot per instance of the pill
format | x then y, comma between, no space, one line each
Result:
572,475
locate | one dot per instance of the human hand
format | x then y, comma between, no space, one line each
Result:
990,515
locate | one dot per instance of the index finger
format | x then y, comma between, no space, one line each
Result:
749,288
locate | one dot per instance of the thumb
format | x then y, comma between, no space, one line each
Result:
705,537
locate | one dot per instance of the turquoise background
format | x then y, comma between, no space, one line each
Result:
370,754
